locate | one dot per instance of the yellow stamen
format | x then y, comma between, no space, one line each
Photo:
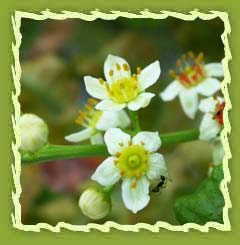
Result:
111,73
122,173
122,86
79,120
115,162
107,87
138,70
117,154
118,67
135,87
111,92
134,185
129,142
199,58
92,101
83,113
101,80
142,143
89,108
179,63
125,67
138,174
121,144
134,76
191,55
172,73
184,57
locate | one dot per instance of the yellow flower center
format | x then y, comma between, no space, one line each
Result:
190,70
89,117
124,90
133,161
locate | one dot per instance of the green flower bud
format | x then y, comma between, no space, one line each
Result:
33,132
95,204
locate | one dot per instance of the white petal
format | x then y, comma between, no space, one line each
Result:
95,89
157,166
141,101
107,173
109,105
113,119
218,152
80,136
171,91
108,119
151,140
149,75
136,198
209,86
209,127
110,64
124,120
220,99
208,104
214,70
97,139
113,137
189,102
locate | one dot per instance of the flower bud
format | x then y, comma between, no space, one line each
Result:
95,204
33,132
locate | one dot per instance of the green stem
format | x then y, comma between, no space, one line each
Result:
135,121
108,189
60,152
179,137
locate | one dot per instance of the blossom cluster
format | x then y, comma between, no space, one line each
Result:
133,155
191,79
134,159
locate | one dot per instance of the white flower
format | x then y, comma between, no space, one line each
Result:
94,204
135,161
97,121
212,121
218,152
33,133
121,89
192,79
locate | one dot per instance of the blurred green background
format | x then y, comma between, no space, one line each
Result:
55,55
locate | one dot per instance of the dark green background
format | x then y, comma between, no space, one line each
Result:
11,235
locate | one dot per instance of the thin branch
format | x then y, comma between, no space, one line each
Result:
59,152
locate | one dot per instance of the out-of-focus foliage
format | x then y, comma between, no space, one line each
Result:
205,205
55,55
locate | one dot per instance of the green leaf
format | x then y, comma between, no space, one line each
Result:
205,205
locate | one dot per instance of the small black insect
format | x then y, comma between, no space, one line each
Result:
161,184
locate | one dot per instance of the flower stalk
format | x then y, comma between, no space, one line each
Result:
60,152
108,189
135,121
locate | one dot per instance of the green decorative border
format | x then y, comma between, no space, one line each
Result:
91,16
